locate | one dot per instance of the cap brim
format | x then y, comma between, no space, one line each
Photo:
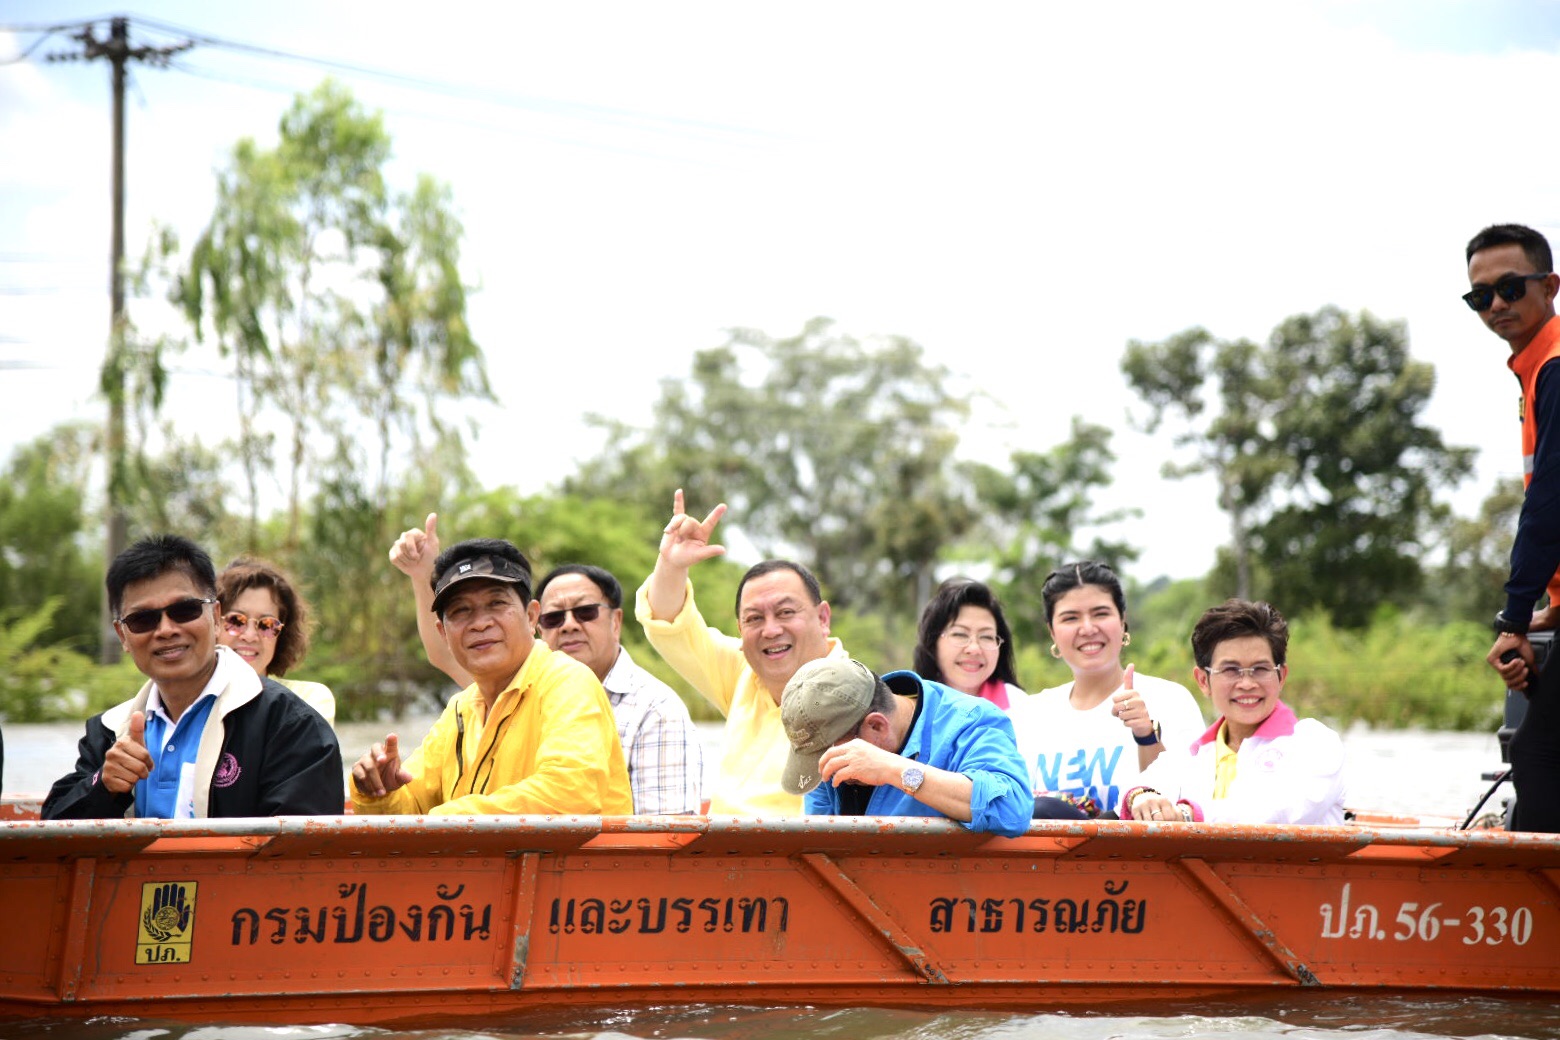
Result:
800,774
444,594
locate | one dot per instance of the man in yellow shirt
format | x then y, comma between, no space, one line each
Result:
784,623
533,733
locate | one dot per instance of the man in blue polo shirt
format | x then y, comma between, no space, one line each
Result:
206,736
900,746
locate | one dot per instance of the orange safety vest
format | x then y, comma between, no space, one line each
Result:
1526,364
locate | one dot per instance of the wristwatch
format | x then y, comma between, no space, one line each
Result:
1504,624
1150,740
912,779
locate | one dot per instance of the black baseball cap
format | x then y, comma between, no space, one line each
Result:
486,567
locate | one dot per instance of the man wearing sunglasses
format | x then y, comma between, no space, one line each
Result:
783,623
206,736
1513,288
581,615
533,732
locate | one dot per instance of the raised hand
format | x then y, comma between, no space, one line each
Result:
1129,706
128,762
414,552
686,541
379,771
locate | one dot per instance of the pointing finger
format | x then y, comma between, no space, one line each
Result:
677,502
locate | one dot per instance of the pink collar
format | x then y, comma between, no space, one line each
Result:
1281,723
995,691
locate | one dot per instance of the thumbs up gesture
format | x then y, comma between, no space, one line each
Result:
128,762
414,552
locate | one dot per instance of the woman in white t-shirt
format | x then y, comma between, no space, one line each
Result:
964,642
1087,741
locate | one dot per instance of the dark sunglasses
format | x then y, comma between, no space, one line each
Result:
1511,289
181,613
585,613
236,621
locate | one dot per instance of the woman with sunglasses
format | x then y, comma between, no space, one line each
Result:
1087,741
264,621
964,642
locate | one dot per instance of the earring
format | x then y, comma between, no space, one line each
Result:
1055,651
1126,640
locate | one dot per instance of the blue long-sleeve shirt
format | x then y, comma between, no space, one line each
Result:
961,734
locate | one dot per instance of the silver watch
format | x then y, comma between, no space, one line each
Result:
911,779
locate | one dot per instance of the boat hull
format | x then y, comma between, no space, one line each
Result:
400,920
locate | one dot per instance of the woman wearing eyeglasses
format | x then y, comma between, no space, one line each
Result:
264,621
1087,741
964,642
1258,763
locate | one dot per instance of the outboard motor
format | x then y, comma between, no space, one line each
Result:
1516,700
1515,709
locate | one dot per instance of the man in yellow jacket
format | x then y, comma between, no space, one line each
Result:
533,733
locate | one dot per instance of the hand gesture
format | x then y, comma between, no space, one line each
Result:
128,762
414,552
1129,706
686,541
379,771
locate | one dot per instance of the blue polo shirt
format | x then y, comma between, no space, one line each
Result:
169,793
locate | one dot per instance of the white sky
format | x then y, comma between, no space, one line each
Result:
1021,188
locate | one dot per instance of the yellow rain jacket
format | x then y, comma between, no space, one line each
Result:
550,746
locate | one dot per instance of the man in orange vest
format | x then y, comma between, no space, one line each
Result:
1513,288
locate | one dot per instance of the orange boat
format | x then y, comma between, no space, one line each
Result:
408,919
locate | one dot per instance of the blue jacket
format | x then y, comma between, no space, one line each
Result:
961,734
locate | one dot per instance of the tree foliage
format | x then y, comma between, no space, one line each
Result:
338,302
826,448
1323,464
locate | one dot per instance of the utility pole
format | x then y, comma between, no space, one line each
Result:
117,50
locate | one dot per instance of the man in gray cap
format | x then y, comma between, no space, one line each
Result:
533,733
900,746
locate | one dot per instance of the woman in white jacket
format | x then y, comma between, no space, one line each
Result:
1258,763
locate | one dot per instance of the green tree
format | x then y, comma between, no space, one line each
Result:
338,301
837,451
1034,512
1468,585
47,552
1323,465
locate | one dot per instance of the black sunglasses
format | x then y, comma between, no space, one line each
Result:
181,613
585,613
1511,289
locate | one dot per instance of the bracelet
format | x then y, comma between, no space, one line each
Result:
1133,800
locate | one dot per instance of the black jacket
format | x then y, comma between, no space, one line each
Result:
277,757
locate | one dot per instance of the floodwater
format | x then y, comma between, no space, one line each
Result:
1396,772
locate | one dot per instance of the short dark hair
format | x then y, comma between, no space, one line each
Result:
474,547
1534,245
763,567
247,573
598,577
942,609
154,556
1071,576
1236,619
